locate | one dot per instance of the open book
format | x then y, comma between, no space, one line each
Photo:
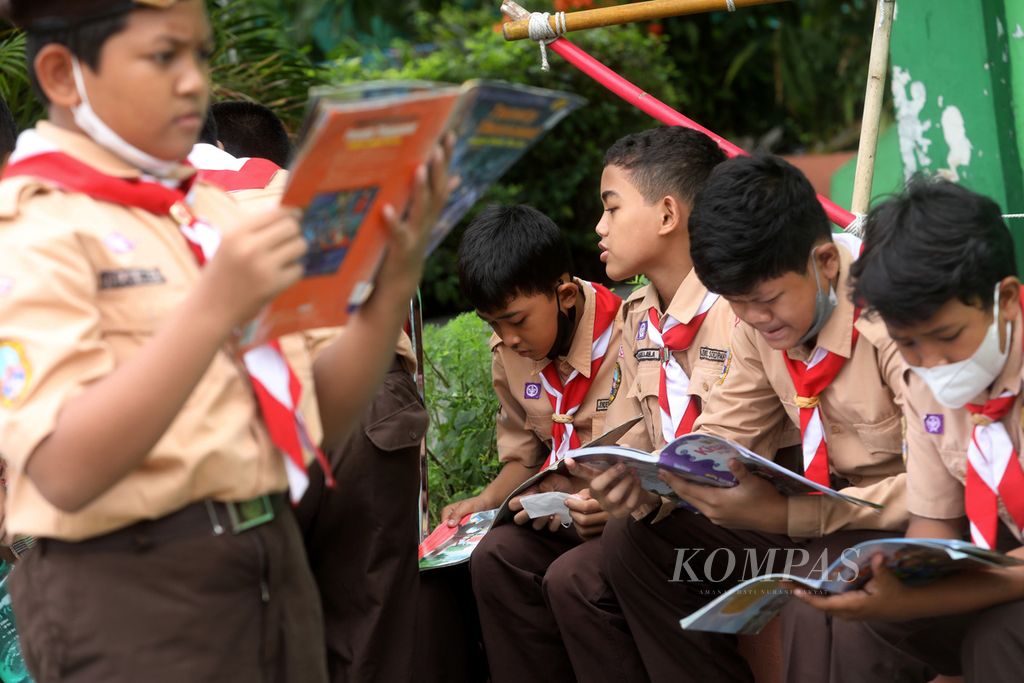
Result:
703,458
360,152
749,606
447,546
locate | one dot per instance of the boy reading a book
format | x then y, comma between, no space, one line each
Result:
802,356
149,460
553,366
938,269
674,344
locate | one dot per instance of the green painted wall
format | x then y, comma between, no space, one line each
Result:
957,81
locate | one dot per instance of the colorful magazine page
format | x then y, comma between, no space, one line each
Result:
447,546
747,607
362,146
707,456
358,157
494,127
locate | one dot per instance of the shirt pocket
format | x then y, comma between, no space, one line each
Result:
397,418
883,438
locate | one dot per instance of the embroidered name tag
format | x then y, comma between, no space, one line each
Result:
130,277
603,404
647,354
714,355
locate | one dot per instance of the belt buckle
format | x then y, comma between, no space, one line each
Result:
247,514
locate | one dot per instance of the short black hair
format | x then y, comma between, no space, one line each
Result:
84,40
669,160
508,251
757,218
209,134
8,131
250,129
931,244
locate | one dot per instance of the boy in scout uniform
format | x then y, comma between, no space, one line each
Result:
143,453
368,581
801,355
938,269
553,365
674,347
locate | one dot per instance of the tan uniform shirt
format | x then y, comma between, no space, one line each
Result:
755,407
86,285
524,417
937,440
704,362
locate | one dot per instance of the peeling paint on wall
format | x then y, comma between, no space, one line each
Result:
955,132
909,98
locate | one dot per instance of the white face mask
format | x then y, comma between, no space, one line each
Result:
93,126
954,384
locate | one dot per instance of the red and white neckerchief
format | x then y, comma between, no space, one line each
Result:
993,471
275,384
231,173
679,410
812,377
567,397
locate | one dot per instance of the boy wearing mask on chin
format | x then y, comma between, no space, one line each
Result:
800,357
554,352
150,460
938,269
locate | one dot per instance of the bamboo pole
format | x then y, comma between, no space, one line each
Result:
624,14
652,105
878,67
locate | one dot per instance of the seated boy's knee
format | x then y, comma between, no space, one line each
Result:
996,633
503,546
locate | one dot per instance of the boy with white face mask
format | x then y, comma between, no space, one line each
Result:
938,268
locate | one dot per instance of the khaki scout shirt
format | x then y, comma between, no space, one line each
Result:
704,362
937,440
524,417
755,405
86,285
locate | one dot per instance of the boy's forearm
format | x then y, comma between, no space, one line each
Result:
108,430
348,372
512,474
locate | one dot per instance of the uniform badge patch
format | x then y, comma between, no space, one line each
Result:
934,423
616,383
603,404
118,243
531,390
713,355
130,277
14,373
641,331
6,285
647,354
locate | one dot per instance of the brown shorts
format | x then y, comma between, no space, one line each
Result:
138,606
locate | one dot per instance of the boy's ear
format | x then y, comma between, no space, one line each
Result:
55,75
674,215
567,291
827,256
1009,298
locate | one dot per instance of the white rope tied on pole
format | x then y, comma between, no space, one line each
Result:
730,5
541,31
856,228
1013,215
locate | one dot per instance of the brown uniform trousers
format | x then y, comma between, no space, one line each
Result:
361,538
195,607
655,589
986,646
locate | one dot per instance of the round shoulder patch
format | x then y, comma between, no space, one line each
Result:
15,373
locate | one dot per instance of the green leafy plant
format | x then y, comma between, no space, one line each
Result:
14,83
461,441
